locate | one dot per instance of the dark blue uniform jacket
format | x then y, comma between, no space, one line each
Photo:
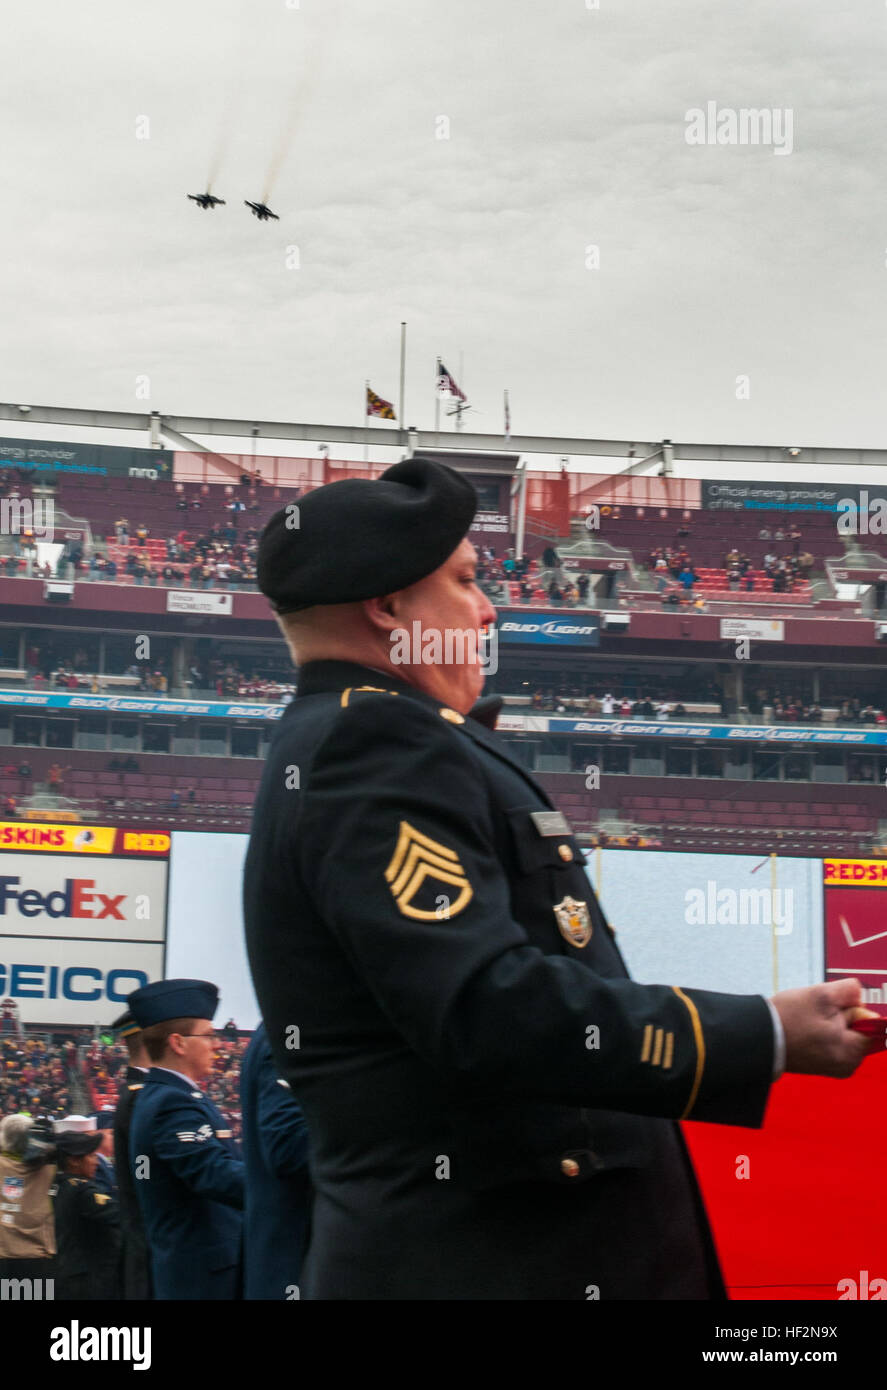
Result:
278,1186
190,1190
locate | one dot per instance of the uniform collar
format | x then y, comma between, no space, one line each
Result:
316,677
165,1076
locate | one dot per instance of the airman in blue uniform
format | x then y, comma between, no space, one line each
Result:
278,1184
189,1178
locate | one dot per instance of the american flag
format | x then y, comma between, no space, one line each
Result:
446,383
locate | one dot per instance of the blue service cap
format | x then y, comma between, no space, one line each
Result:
164,999
125,1025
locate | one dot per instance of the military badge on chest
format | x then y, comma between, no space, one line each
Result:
574,921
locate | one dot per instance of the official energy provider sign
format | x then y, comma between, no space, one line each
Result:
856,925
82,919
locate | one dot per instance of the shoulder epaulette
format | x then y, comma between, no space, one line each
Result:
359,689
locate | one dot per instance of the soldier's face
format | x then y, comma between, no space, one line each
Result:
451,612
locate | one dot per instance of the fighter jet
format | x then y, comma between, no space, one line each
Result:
261,211
206,200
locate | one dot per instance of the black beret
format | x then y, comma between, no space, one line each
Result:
358,538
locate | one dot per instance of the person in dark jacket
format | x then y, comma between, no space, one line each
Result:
87,1226
136,1263
278,1185
105,1177
187,1170
491,1099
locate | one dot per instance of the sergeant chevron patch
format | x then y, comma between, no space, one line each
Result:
421,872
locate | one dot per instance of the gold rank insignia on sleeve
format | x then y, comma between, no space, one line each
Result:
657,1047
421,871
574,921
101,1198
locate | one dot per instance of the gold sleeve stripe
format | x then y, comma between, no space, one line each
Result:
648,1037
410,836
657,1048
669,1051
445,868
700,1048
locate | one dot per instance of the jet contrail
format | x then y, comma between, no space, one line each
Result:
319,45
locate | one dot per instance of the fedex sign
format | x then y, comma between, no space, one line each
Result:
77,935
79,898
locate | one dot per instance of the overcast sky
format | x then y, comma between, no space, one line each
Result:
567,130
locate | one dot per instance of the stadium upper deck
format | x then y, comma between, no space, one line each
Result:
660,597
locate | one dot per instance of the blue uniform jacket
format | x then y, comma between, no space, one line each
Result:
278,1186
105,1178
190,1191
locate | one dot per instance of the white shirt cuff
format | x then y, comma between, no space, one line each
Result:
778,1042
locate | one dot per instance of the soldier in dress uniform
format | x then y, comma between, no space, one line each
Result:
87,1223
187,1172
136,1264
491,1099
278,1185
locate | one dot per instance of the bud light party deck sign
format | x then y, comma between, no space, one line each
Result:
82,919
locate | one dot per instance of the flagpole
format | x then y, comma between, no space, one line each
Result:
403,369
437,401
366,416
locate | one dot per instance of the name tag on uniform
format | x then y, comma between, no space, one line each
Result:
550,823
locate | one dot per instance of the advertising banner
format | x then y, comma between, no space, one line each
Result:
209,601
737,495
133,705
82,918
74,981
762,629
553,632
46,460
856,925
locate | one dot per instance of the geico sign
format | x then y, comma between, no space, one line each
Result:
76,899
550,629
82,982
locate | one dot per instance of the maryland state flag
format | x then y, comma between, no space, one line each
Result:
376,406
